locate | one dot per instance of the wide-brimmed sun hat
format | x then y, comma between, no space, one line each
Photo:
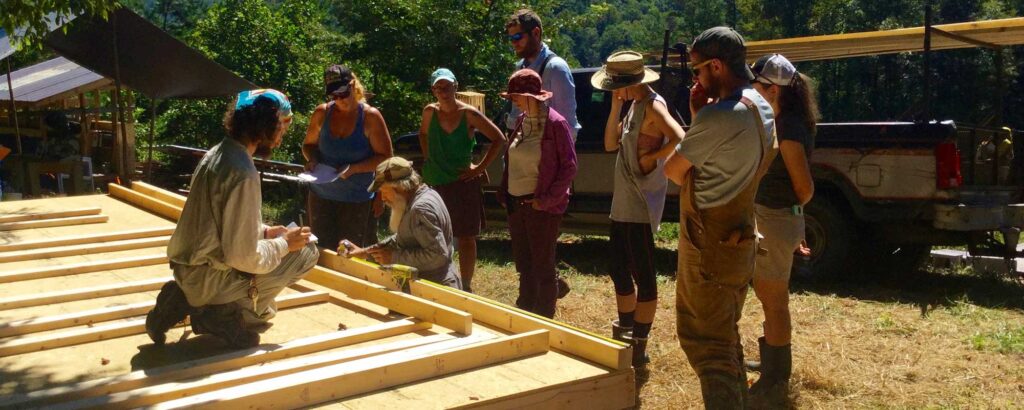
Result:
526,82
623,69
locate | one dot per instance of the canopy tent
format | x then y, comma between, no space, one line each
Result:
38,85
143,57
989,33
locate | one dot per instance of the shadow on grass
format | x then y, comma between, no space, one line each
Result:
588,255
927,289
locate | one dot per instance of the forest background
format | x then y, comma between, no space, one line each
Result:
393,45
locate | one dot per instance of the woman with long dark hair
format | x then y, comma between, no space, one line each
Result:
783,192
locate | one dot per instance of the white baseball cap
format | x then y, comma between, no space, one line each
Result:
774,69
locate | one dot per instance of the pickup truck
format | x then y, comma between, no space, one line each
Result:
885,192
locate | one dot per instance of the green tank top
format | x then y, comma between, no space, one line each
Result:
448,153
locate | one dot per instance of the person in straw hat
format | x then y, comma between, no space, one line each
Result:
644,138
540,164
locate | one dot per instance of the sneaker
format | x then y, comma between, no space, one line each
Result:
225,322
171,307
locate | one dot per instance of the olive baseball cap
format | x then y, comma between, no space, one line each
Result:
393,169
727,45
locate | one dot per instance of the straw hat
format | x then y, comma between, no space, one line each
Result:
623,69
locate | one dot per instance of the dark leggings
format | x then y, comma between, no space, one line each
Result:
632,259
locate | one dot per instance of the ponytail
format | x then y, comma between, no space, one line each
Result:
797,100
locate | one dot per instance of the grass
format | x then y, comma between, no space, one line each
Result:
939,339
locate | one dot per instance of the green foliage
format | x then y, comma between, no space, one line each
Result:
285,48
1006,339
31,16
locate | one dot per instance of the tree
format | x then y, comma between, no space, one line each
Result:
33,16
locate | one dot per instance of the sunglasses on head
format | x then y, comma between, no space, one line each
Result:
696,68
517,36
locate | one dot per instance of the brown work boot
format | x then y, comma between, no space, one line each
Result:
171,307
225,322
771,391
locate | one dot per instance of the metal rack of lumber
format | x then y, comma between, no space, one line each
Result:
72,330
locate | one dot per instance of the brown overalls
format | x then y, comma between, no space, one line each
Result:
717,247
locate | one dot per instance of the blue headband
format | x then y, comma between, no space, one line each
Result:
247,98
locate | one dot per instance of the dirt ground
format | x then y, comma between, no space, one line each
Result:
934,339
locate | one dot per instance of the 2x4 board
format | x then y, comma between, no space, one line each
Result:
78,275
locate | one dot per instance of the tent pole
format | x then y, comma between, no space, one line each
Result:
14,108
152,130
118,109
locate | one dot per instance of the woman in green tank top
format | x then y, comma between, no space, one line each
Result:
447,139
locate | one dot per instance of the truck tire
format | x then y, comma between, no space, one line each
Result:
832,236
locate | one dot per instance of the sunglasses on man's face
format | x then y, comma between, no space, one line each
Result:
516,37
696,68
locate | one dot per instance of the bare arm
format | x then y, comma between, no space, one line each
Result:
493,133
310,145
669,128
795,158
676,167
380,142
613,127
428,113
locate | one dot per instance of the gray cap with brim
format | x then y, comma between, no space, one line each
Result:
727,45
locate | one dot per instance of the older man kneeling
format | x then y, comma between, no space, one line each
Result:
422,227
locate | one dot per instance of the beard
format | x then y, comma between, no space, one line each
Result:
398,207
263,151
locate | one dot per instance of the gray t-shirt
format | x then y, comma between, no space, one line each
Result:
723,146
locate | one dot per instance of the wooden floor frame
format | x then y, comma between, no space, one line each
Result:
300,372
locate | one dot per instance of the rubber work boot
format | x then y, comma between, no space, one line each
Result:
225,322
171,307
640,358
721,391
771,391
754,365
620,332
563,287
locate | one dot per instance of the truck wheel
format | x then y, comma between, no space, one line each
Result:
832,236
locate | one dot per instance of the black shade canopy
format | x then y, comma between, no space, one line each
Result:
151,61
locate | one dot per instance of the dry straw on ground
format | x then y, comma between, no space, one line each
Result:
931,340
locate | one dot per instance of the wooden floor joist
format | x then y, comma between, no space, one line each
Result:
92,238
359,268
153,395
50,223
215,364
83,267
39,299
405,304
159,193
121,329
48,215
600,350
86,317
84,249
146,202
349,379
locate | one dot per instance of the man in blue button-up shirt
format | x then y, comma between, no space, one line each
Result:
524,32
